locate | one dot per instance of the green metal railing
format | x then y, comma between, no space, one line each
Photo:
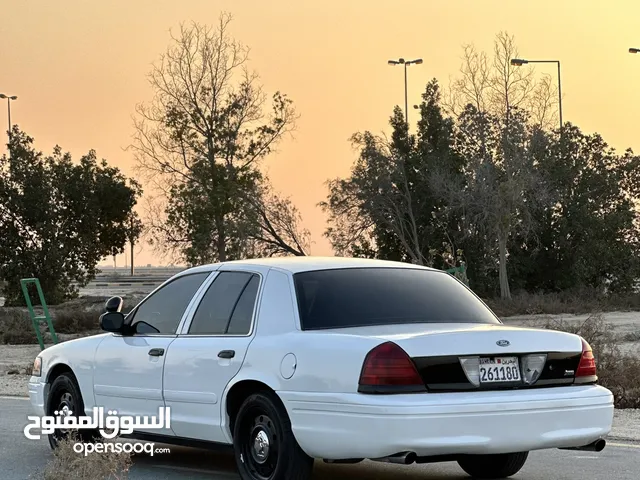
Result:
453,271
36,319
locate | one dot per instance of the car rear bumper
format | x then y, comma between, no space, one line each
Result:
341,426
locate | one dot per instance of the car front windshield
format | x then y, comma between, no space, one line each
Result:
355,297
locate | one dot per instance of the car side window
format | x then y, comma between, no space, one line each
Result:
240,323
161,312
227,306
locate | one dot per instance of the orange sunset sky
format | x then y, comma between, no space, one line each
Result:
79,68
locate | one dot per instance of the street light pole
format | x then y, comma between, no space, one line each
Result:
518,62
559,96
9,98
406,63
406,101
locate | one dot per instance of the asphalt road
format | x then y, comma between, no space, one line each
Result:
21,458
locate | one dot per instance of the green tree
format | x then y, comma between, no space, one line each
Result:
58,217
200,143
387,208
588,233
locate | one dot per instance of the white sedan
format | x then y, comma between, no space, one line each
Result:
293,359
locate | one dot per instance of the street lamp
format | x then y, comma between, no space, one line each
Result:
406,63
9,98
634,50
518,62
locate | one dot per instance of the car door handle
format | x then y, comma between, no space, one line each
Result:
156,352
227,354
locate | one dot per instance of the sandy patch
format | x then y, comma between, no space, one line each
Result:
626,326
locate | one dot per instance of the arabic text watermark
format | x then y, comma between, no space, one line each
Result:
109,426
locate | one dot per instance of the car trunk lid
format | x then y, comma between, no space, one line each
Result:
463,357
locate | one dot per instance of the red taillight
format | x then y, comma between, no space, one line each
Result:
587,365
388,369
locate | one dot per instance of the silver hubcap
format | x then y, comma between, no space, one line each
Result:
261,447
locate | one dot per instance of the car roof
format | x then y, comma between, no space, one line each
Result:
309,263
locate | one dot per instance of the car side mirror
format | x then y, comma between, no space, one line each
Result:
114,304
112,322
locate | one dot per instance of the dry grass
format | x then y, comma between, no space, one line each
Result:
16,328
619,372
69,465
76,320
77,317
18,369
631,336
568,302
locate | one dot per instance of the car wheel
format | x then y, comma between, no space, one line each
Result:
493,466
265,448
65,398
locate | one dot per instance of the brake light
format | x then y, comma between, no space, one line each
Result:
587,365
388,369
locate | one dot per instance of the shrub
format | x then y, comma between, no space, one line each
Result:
631,336
566,302
16,329
25,369
76,320
69,465
619,372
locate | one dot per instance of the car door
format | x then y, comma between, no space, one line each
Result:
128,369
209,353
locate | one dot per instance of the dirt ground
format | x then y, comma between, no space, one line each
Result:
626,326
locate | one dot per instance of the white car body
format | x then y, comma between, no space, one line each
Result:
316,374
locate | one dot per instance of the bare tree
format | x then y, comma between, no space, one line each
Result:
498,106
280,231
349,224
502,186
166,242
497,87
378,193
543,103
202,137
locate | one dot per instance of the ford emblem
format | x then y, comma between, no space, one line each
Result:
503,343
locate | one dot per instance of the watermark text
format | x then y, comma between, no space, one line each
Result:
119,447
109,426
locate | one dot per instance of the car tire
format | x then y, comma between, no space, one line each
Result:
264,444
493,466
65,392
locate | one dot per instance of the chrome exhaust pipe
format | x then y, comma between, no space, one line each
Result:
404,458
596,446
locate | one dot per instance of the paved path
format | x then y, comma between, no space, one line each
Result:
21,458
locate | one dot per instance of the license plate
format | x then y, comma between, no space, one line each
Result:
499,369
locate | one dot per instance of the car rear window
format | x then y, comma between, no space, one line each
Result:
355,297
